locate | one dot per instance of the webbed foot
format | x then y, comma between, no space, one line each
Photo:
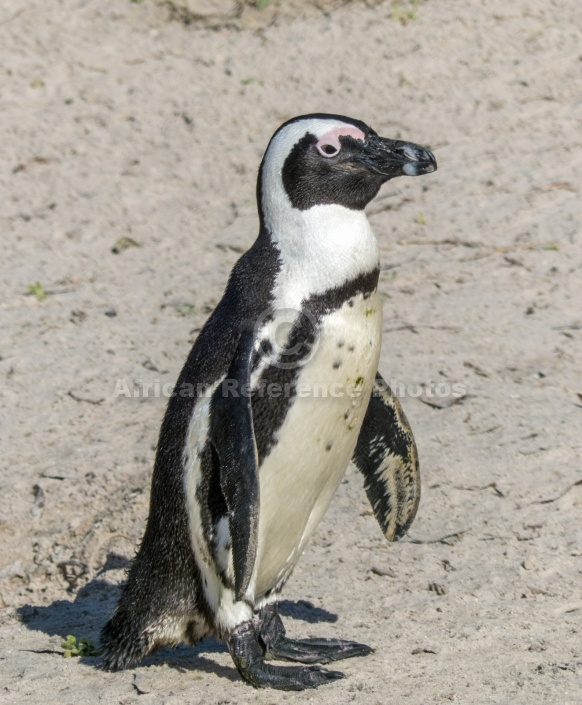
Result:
249,659
278,646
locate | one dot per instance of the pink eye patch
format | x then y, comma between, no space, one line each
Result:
329,144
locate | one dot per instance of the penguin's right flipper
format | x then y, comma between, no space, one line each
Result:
387,457
247,654
232,435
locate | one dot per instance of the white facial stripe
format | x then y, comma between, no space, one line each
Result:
276,204
287,138
332,138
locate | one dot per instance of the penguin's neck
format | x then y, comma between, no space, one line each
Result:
319,249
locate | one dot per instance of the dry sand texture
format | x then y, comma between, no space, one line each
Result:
132,120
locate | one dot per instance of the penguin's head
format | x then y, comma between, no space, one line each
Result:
324,159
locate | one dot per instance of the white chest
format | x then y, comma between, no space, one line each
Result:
317,438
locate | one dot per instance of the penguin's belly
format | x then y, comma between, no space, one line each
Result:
315,443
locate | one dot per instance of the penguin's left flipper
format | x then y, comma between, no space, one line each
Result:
233,438
387,457
277,645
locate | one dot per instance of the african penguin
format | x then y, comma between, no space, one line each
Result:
279,393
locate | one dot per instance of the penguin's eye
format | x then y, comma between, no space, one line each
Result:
328,149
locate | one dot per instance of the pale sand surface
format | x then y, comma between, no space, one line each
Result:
119,121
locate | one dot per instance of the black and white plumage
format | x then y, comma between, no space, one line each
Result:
247,465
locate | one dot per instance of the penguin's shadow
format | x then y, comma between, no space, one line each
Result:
305,611
94,603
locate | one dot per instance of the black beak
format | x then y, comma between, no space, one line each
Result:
391,158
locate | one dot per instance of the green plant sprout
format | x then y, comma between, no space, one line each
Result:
84,647
37,290
404,15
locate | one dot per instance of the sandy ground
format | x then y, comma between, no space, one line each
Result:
136,120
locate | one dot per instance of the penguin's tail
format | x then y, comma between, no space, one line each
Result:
124,643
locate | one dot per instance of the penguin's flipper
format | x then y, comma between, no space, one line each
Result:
387,457
232,435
